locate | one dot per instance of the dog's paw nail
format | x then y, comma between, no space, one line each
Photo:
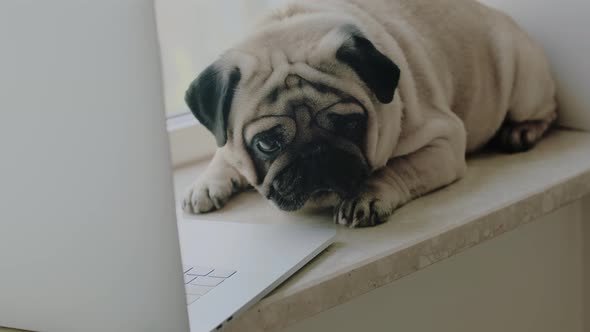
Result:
235,184
217,202
359,214
364,211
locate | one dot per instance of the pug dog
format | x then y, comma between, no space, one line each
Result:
364,105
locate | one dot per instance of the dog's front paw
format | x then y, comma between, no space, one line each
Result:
365,210
207,195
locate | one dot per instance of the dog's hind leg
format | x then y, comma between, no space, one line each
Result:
522,136
533,105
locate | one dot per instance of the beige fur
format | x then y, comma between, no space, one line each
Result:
465,70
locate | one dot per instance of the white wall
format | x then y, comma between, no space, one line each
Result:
193,33
527,280
562,28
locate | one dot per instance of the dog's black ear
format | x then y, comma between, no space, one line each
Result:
210,98
378,72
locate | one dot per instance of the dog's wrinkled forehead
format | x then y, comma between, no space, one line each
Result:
295,91
301,61
295,102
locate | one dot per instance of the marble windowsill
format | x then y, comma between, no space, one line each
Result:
499,193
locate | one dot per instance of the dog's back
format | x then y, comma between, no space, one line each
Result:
462,57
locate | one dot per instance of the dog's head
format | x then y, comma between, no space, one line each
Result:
290,107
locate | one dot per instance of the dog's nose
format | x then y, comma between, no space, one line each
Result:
334,169
316,162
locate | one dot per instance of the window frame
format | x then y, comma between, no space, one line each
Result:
190,142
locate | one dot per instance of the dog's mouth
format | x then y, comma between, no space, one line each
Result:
288,202
321,192
337,172
295,202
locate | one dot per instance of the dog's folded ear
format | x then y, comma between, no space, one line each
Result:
210,98
378,72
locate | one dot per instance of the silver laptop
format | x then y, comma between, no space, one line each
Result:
88,238
228,267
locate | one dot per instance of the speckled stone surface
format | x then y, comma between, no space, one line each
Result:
498,194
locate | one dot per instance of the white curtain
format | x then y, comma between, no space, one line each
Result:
194,32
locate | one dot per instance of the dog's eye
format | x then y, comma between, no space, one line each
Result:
267,146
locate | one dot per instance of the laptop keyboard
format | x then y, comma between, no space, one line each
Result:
199,280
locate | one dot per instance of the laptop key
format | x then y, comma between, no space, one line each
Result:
199,271
188,278
197,289
191,298
206,281
221,273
